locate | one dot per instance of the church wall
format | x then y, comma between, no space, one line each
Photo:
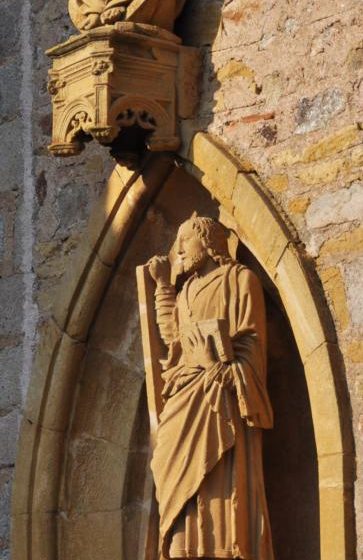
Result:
281,88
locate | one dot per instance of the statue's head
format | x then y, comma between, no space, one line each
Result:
200,239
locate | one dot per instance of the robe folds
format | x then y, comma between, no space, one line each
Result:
207,462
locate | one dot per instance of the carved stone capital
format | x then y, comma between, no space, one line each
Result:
120,78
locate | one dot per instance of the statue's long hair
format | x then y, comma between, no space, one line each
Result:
213,237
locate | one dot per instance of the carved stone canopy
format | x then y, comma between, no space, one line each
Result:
117,78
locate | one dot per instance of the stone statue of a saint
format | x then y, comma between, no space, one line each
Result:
88,14
207,460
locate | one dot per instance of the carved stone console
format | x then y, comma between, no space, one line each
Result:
124,85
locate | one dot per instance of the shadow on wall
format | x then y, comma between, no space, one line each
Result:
198,26
290,458
290,463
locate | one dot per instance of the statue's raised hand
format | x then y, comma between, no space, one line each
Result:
159,268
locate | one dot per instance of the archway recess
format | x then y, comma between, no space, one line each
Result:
245,205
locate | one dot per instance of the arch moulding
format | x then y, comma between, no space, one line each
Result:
63,340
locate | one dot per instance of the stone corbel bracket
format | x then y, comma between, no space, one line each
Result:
114,77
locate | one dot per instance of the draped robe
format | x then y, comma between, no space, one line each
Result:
207,462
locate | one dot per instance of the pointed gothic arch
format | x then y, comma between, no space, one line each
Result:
37,527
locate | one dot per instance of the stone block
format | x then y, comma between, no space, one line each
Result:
50,450
93,535
81,311
322,172
333,285
336,470
112,195
131,206
11,305
23,480
44,534
348,242
107,399
355,352
334,143
330,431
299,205
7,226
72,206
19,530
64,375
5,491
95,475
11,155
295,291
344,205
79,294
9,427
218,169
49,340
10,83
277,183
314,113
10,368
235,68
9,21
354,288
332,514
258,224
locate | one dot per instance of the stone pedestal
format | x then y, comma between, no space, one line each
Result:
117,77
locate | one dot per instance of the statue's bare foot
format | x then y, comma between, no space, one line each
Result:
112,15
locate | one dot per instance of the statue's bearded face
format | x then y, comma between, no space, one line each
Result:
191,251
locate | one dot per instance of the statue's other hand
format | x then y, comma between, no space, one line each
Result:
201,349
112,15
91,21
159,268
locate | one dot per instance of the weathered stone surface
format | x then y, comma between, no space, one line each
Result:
10,366
10,82
333,144
334,287
218,170
9,21
299,205
299,304
344,205
316,112
5,491
87,487
355,351
350,241
9,425
11,169
278,183
92,535
47,475
107,399
252,214
354,286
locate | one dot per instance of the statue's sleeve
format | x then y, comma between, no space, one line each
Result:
246,308
165,307
245,375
